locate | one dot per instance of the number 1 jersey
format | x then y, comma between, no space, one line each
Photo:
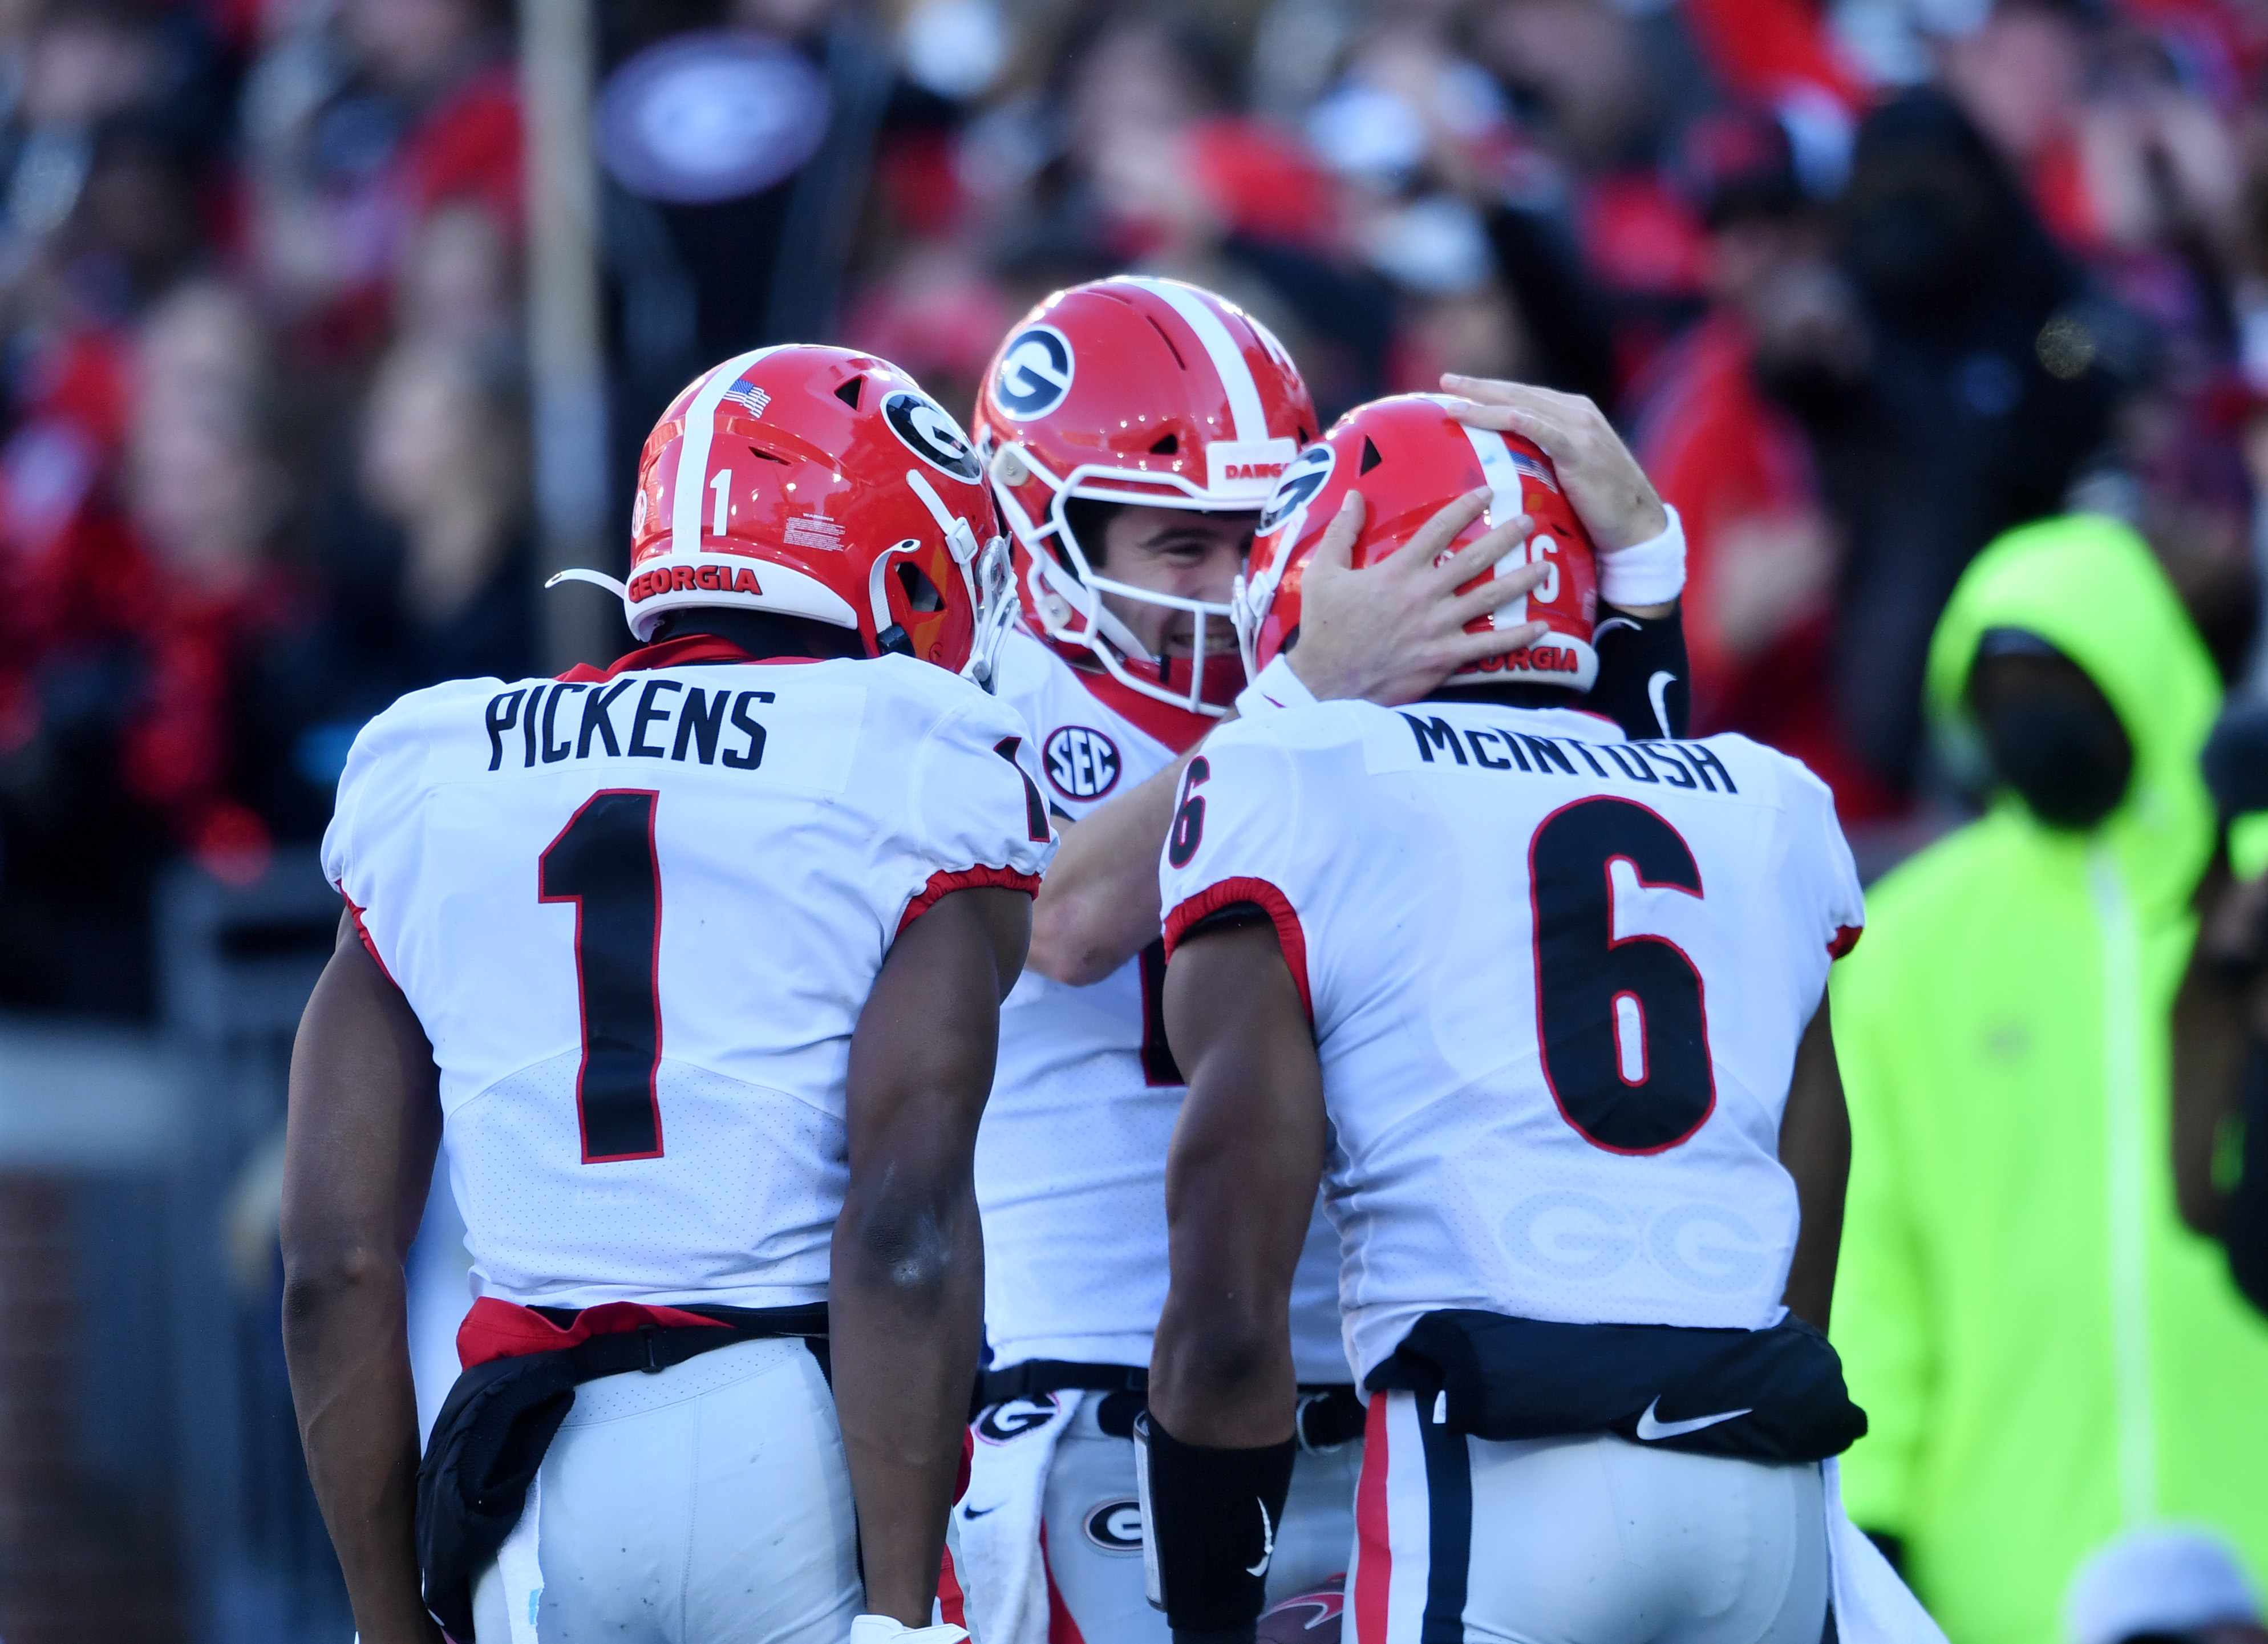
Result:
1557,980
638,914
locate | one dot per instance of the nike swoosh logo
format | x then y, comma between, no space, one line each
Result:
1649,1429
1657,691
1267,1542
979,1512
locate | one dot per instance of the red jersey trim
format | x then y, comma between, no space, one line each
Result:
688,651
497,1329
363,930
1274,902
1846,937
1177,728
943,884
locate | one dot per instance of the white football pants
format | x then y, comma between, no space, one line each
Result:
1589,1540
1094,1530
706,1504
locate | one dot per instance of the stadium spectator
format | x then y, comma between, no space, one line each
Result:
2220,1016
2046,1353
429,559
1955,427
1763,551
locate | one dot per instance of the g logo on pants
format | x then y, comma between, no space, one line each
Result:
1116,1526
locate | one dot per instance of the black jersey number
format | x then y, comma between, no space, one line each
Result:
1623,1024
604,862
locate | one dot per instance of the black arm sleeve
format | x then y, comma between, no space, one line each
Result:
1642,683
1210,1518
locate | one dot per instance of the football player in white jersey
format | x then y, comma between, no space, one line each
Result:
1542,1007
697,960
1133,429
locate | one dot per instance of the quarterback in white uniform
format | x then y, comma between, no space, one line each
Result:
1132,429
697,960
1542,1007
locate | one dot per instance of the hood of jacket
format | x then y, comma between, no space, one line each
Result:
2090,587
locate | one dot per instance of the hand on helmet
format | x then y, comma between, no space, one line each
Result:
1611,494
1392,632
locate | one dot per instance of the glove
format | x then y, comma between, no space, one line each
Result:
890,1630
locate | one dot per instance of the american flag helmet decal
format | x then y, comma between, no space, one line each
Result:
1533,469
744,392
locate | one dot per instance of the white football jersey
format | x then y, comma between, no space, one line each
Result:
1070,1160
1557,981
639,917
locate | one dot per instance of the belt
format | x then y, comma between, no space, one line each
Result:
1330,1413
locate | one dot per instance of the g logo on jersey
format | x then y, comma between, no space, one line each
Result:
1082,763
930,432
1015,1417
1305,474
1116,1526
1035,373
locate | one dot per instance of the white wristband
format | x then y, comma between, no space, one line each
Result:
1278,686
1652,572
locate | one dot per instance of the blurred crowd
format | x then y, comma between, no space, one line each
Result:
1868,281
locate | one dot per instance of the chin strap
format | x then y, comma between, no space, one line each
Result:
596,579
996,611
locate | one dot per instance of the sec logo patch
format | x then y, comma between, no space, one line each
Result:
1116,1526
1082,763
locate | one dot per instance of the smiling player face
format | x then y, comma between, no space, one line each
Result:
1173,550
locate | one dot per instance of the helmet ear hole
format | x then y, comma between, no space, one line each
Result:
1167,446
921,593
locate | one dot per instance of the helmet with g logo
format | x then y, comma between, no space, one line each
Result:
822,484
1408,457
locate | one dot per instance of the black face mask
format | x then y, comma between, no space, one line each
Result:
2070,760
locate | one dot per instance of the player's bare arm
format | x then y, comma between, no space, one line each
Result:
907,1293
364,1123
1815,1145
1240,1187
1610,492
1391,641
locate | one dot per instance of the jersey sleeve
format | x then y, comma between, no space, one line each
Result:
1825,877
1278,686
976,814
1228,846
365,820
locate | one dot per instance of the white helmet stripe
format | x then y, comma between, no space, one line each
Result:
1244,408
1507,502
691,502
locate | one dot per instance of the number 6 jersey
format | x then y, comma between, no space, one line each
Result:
638,914
1557,981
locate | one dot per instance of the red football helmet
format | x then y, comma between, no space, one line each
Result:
1143,391
819,483
1408,457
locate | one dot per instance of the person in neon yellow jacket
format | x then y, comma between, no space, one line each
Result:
2045,1355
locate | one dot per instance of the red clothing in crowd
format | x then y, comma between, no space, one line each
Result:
1726,456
